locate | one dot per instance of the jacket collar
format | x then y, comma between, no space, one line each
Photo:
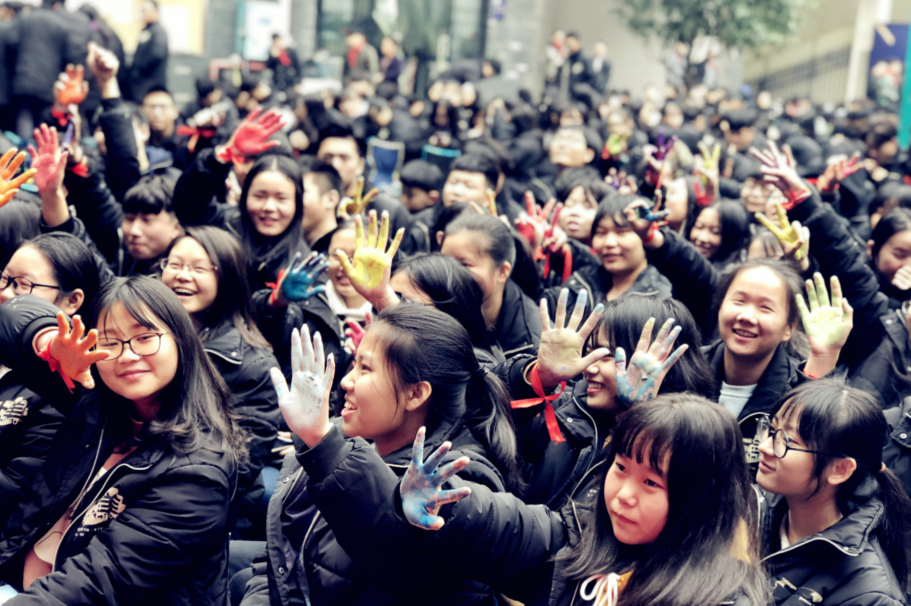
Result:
648,283
225,342
774,382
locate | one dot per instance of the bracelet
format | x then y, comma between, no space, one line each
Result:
550,417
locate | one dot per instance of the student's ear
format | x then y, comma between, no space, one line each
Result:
589,155
500,181
70,304
331,199
361,166
434,195
787,333
176,229
841,470
416,395
870,249
503,272
440,236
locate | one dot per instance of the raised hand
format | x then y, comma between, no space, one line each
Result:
296,282
794,239
252,136
369,271
644,220
9,164
649,364
49,161
71,352
779,169
664,147
826,323
358,204
560,353
420,488
838,171
305,406
706,165
71,87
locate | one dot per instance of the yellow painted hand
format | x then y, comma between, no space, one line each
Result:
789,235
369,270
826,323
358,204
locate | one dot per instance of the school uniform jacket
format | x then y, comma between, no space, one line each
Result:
152,530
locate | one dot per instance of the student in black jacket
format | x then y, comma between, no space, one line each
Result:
415,367
135,494
834,526
670,519
60,269
150,62
485,246
206,270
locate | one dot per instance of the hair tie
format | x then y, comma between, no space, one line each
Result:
480,372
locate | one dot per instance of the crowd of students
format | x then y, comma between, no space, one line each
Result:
658,348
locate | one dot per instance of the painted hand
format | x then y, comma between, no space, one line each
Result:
355,333
369,270
9,164
296,283
779,169
71,351
794,239
252,137
305,406
649,364
71,87
560,353
902,279
358,204
826,323
643,218
420,488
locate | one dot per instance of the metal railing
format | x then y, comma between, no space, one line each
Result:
824,79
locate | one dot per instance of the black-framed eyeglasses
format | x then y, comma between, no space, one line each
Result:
146,344
22,286
781,443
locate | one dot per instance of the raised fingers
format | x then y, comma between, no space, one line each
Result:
645,338
545,315
822,294
417,449
560,319
578,310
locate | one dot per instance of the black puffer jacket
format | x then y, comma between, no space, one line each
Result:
897,452
151,530
27,429
45,42
843,564
519,328
305,563
493,538
246,371
150,62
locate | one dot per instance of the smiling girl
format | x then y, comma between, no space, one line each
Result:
835,524
414,368
625,542
150,444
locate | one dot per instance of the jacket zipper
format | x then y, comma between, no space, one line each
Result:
802,543
92,502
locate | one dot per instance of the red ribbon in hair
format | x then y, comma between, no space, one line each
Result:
195,133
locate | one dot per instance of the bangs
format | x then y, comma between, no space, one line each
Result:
646,441
133,305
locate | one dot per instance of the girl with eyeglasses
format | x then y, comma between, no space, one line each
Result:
61,270
205,268
132,505
834,519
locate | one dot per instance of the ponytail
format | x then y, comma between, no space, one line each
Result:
489,418
424,344
894,532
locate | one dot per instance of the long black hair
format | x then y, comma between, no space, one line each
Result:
233,302
621,325
848,422
896,220
19,221
696,557
262,250
197,400
735,231
74,265
453,290
424,344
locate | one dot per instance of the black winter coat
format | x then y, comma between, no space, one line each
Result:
246,371
27,429
304,562
843,564
152,530
150,63
897,452
498,539
519,328
45,42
